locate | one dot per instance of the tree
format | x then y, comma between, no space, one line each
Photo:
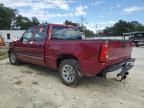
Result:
7,15
67,22
123,27
35,21
9,19
23,23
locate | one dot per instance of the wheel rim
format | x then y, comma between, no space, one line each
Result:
68,73
13,58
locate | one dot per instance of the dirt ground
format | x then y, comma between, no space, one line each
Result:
31,86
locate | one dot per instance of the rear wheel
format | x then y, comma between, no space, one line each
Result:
69,72
13,59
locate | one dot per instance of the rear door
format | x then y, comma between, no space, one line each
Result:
38,45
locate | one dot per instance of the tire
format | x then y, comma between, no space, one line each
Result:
13,59
69,72
136,44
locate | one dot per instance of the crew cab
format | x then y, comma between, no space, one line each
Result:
61,47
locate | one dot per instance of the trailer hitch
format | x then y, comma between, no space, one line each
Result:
124,76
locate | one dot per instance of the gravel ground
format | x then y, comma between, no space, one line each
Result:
3,53
31,86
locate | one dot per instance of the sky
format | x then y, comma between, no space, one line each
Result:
97,14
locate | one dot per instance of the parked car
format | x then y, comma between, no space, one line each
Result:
136,37
60,47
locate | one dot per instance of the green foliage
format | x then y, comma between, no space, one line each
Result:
9,19
67,22
123,27
24,23
6,16
35,21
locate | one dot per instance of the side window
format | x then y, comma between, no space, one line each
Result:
27,36
65,33
40,34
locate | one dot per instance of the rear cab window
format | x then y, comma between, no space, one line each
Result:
65,33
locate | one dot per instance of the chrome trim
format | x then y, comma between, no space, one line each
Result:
113,74
30,56
130,63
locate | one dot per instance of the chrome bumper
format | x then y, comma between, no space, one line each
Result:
119,69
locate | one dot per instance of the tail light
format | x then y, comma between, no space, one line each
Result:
104,53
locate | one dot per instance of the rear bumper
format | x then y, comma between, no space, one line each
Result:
119,69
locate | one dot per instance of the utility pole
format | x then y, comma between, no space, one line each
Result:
82,21
96,29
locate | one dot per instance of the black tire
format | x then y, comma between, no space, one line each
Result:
73,73
136,44
12,55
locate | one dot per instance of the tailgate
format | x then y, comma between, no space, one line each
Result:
119,50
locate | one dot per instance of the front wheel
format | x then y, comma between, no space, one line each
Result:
69,72
13,59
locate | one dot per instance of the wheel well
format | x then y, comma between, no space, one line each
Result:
63,57
10,50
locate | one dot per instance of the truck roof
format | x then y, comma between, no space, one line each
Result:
54,25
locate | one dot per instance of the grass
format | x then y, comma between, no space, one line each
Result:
3,55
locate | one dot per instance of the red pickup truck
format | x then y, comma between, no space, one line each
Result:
61,47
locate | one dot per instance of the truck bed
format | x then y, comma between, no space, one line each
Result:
118,50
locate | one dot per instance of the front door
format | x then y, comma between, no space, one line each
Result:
23,48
